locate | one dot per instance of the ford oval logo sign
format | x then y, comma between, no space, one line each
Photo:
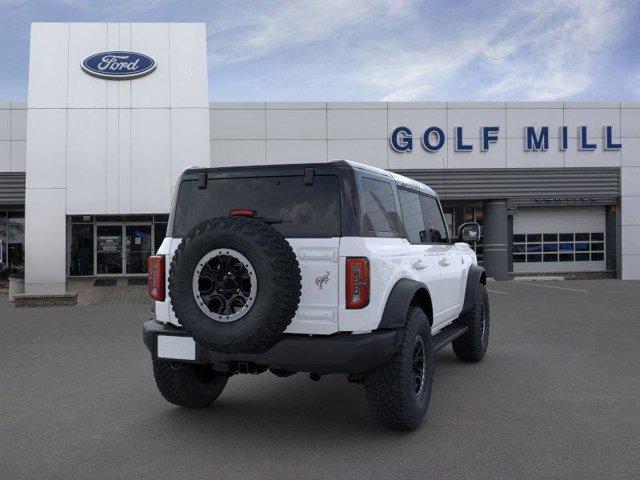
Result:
118,65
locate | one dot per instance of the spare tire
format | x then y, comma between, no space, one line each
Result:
234,284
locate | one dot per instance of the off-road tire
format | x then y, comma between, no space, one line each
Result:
188,385
389,388
472,345
278,282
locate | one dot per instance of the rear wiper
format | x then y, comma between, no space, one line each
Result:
271,221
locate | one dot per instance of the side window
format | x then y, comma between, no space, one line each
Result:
380,215
436,229
412,216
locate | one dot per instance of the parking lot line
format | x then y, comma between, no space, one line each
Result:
551,286
496,291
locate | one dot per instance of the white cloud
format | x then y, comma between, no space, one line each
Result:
546,51
241,34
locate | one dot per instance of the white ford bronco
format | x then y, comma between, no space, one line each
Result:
322,268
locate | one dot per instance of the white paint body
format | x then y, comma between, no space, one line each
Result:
442,268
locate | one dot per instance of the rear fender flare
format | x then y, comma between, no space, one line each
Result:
403,294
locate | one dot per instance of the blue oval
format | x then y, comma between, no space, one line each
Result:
118,65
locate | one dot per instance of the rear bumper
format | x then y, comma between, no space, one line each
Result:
339,353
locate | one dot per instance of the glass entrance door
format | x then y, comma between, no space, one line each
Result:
138,248
109,250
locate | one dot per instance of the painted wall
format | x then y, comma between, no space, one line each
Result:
261,133
98,146
13,136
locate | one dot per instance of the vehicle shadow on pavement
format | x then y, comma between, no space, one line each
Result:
253,405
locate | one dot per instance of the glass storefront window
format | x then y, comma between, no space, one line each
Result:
160,231
138,245
4,265
15,242
113,245
109,249
81,253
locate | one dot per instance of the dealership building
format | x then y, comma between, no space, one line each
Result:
116,111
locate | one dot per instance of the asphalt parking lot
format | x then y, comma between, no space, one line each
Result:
557,396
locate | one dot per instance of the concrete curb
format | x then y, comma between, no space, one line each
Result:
68,299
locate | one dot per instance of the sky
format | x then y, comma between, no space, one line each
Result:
377,50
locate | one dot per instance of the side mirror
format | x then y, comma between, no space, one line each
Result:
469,232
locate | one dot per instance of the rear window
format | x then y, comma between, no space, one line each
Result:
306,210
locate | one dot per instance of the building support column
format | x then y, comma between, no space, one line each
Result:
496,239
45,241
611,235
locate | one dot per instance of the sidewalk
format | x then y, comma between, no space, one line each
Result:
120,294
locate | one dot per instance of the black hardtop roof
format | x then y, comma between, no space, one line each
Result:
342,168
292,169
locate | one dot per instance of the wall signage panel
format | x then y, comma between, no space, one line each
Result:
118,65
535,139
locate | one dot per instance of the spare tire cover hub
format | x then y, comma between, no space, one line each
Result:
224,285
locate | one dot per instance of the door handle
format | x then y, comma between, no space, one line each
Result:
444,262
419,265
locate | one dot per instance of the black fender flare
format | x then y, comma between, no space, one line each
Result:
399,301
475,276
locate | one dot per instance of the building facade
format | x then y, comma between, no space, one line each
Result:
87,169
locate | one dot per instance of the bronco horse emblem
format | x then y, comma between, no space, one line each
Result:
322,279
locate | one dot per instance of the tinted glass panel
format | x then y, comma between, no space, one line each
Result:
550,257
3,245
518,258
159,230
81,257
598,237
467,215
15,241
305,210
534,237
582,257
597,257
598,247
550,237
380,214
534,258
550,247
412,216
581,247
566,247
566,237
581,237
436,230
519,238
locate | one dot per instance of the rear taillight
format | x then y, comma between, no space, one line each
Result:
155,283
358,287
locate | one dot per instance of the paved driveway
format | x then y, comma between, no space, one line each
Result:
558,396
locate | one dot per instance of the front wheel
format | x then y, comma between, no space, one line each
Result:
188,385
398,392
472,345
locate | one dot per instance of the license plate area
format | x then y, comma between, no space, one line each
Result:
176,347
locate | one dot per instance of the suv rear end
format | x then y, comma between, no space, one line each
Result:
313,206
319,268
